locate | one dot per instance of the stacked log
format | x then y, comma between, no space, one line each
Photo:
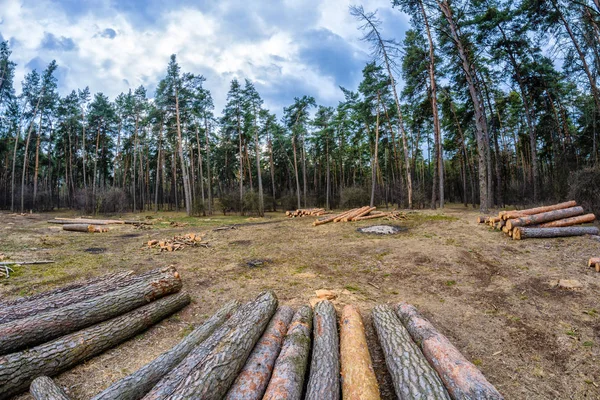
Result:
360,214
84,228
595,263
44,388
557,220
305,212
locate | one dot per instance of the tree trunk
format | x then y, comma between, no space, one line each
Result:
96,168
44,388
14,164
544,217
374,166
83,150
241,155
272,168
287,380
520,233
324,379
212,379
253,379
411,374
26,150
582,219
17,370
200,168
37,160
209,176
359,381
462,379
296,170
261,200
158,158
84,228
41,328
136,385
186,178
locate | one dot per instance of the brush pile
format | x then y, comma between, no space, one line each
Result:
51,332
361,214
306,212
557,220
178,242
260,350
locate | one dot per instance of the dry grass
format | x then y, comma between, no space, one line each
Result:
490,295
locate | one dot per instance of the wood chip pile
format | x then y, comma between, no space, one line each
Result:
178,242
557,220
306,212
260,350
361,214
51,332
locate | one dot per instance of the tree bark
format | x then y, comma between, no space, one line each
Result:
287,380
359,381
520,233
41,328
544,217
209,176
462,379
411,374
375,154
17,370
324,379
538,210
14,164
212,379
186,178
253,379
84,228
44,388
136,385
37,160
582,219
26,150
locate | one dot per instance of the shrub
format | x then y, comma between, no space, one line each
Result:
352,197
584,188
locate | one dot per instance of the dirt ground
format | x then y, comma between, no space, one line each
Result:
493,297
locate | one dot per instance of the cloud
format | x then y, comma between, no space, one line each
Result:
51,42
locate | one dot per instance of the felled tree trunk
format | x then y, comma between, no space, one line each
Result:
212,379
531,211
544,217
17,370
362,213
411,374
358,376
582,219
74,293
462,379
253,379
44,388
526,233
324,379
288,374
36,329
84,228
136,385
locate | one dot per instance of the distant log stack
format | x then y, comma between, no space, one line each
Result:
361,214
306,212
557,220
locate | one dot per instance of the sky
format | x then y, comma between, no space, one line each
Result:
288,48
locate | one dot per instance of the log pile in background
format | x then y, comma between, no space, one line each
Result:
594,263
361,214
306,212
53,337
557,220
94,221
178,242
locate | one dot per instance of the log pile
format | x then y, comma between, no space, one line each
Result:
259,351
95,221
361,214
49,333
557,220
306,212
594,263
178,242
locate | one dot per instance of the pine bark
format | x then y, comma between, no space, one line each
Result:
582,219
40,328
411,374
17,370
287,380
358,377
136,385
462,379
520,233
324,379
544,217
44,388
538,210
212,379
253,379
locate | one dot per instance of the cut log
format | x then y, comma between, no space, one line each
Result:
84,228
371,217
358,377
212,379
544,217
324,378
582,219
74,293
538,210
44,388
136,385
35,329
253,379
343,215
17,370
91,221
411,374
363,213
287,380
521,233
330,219
462,379
482,219
354,214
